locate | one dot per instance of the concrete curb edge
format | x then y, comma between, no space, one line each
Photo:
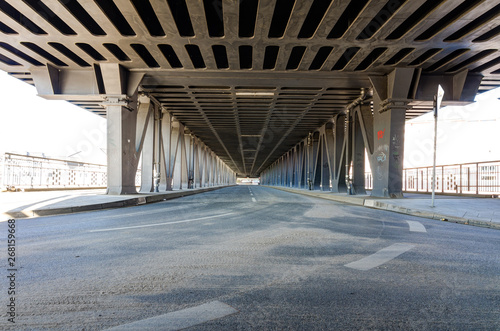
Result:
374,204
136,201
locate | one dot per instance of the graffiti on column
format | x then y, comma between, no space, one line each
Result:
396,144
380,134
381,157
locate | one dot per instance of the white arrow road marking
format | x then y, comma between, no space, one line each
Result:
416,226
382,256
158,224
181,319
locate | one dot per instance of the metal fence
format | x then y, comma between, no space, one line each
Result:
21,171
469,178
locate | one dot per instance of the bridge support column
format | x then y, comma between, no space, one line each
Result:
387,159
391,96
121,152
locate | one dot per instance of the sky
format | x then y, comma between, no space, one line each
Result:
57,129
465,134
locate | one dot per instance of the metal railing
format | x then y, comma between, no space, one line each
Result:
22,171
480,178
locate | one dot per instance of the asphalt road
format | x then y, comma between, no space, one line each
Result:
262,259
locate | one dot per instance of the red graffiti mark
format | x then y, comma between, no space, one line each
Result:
380,134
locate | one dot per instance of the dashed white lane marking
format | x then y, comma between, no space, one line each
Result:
416,226
382,256
253,199
158,224
181,319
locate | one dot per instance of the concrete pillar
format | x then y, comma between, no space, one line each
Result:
124,141
387,159
121,152
390,101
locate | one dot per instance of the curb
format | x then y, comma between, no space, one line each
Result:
426,214
374,204
141,200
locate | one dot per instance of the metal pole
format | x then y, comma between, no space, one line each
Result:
434,160
437,102
477,178
347,149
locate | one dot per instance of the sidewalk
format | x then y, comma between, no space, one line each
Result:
484,212
45,203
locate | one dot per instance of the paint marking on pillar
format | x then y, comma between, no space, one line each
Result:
416,226
382,256
181,319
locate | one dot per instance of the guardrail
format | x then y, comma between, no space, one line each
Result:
22,171
480,178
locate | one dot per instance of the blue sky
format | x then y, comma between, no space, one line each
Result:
59,129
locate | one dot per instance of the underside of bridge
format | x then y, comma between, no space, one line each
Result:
290,90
